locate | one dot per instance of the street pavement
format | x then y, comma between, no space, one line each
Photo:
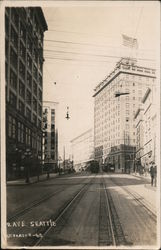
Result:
82,223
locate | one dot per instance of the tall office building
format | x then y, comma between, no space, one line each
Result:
50,136
24,33
114,127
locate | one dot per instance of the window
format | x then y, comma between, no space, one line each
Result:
21,89
40,80
12,99
22,70
35,104
29,62
22,51
52,156
35,119
28,136
52,126
13,58
6,72
35,72
40,95
52,134
35,88
29,45
29,26
6,48
6,25
21,107
53,112
29,79
40,110
28,114
11,127
28,97
35,55
53,141
22,32
14,16
20,132
13,80
14,37
39,123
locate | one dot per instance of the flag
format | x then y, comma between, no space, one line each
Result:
130,41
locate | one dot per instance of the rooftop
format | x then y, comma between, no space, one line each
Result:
125,65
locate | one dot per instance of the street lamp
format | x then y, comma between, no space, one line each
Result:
67,116
27,165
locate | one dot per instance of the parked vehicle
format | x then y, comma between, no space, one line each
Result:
109,167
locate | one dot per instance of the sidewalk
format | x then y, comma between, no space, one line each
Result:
33,179
147,178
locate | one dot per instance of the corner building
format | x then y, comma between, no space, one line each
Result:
24,33
114,126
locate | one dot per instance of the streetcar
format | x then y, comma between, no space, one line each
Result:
94,167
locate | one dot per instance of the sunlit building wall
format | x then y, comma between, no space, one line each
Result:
82,149
149,125
114,117
50,135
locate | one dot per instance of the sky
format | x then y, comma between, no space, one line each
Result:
81,47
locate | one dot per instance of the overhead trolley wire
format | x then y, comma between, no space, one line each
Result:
88,44
97,55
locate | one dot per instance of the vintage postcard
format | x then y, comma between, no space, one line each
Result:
80,124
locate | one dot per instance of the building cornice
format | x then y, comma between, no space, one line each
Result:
121,72
125,66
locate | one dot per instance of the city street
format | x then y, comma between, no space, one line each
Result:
80,145
82,210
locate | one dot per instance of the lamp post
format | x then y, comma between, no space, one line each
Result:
48,168
27,164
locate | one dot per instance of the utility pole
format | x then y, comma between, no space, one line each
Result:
64,159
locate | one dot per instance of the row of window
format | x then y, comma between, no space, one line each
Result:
13,101
13,84
21,108
32,24
23,134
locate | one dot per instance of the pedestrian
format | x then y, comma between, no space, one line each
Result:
152,173
155,174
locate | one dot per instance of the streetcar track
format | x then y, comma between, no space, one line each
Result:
110,231
140,200
22,211
33,205
62,212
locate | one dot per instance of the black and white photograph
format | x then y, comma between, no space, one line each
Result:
80,124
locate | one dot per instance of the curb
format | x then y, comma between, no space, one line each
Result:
22,181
